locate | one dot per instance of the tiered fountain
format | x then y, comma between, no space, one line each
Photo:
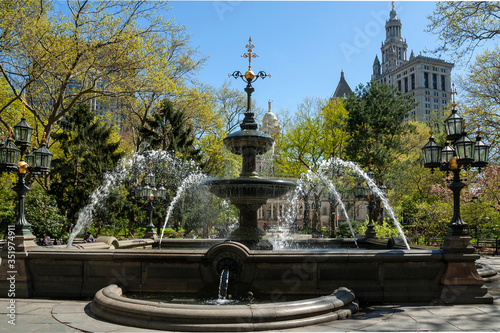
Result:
249,192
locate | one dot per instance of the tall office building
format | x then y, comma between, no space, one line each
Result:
424,80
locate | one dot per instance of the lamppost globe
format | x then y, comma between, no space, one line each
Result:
22,133
359,191
481,153
453,125
447,154
9,155
432,153
464,148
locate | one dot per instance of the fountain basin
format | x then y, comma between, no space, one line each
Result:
376,276
109,304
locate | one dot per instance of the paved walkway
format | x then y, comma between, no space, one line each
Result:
41,315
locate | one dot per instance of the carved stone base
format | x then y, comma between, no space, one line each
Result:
457,244
21,243
462,284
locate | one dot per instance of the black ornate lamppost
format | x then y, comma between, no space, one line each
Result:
365,192
463,153
15,158
150,192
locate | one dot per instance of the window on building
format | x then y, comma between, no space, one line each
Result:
444,95
406,84
434,81
426,80
427,99
436,94
443,81
436,106
427,92
436,100
412,81
444,101
399,85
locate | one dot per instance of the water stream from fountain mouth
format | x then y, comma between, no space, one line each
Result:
223,283
190,181
327,165
332,190
128,167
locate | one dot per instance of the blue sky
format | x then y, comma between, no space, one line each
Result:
303,44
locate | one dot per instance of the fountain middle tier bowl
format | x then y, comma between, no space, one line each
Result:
249,188
238,141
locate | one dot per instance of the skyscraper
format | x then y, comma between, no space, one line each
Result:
424,80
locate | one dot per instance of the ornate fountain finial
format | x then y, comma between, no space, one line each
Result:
431,132
44,137
250,53
463,125
453,93
249,77
10,133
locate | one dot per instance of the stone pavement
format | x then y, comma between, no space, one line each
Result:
42,315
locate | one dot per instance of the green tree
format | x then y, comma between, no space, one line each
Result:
377,128
462,26
97,51
376,125
87,153
317,134
167,130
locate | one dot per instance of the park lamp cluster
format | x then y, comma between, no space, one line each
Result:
462,153
150,192
12,152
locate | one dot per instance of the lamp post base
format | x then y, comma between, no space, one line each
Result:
457,244
150,234
21,242
370,233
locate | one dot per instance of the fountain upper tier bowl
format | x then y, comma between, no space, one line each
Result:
249,189
236,142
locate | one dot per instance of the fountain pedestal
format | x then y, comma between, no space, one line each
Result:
249,192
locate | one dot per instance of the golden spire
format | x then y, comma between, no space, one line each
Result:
431,132
250,53
463,125
453,93
393,5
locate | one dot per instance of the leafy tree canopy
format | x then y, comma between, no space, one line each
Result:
87,153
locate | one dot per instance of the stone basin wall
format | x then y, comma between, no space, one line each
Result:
375,276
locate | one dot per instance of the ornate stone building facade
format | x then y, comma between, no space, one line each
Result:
424,80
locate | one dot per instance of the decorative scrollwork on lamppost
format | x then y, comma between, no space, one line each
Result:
13,153
365,192
463,153
249,77
150,192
